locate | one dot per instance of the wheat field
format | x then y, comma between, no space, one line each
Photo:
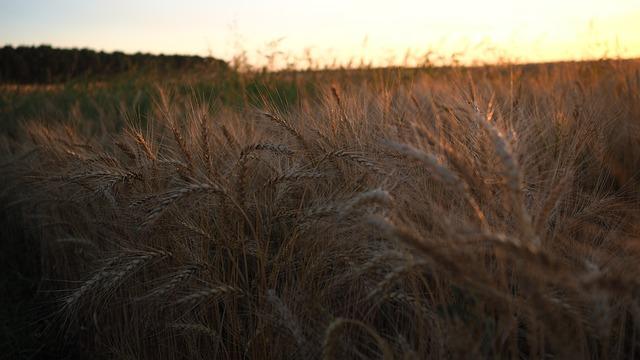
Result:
486,213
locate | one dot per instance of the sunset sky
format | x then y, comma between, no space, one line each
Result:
377,31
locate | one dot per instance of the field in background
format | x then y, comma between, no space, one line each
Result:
380,213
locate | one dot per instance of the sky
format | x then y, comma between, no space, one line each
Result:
288,31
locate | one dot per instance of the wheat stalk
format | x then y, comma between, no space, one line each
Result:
285,125
204,294
336,329
174,195
446,176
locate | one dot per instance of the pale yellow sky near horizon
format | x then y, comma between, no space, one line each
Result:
375,31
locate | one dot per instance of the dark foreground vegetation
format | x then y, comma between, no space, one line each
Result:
461,213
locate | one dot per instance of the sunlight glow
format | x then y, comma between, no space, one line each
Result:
376,32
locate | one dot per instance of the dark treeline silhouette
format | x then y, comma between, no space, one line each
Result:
45,64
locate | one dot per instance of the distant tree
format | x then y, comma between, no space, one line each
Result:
45,64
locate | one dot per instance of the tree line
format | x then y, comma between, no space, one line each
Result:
45,64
